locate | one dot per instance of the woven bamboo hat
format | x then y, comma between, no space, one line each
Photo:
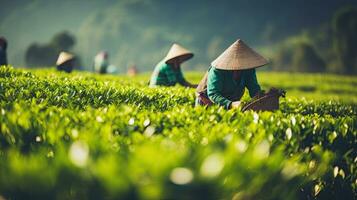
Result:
64,57
239,57
177,52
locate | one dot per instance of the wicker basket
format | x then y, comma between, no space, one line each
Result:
265,102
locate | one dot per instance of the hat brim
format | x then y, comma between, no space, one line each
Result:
180,58
65,61
241,68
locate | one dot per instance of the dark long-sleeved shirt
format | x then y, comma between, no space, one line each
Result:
223,89
3,59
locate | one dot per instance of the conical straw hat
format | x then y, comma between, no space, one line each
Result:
64,57
177,52
239,57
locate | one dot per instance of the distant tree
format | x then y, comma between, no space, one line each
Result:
282,58
269,34
40,55
305,59
298,56
344,26
63,41
46,55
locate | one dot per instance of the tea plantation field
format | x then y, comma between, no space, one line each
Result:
86,136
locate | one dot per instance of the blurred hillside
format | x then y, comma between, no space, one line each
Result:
141,31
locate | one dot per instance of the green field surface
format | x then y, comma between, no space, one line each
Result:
87,136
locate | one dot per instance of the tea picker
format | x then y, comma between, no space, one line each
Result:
168,71
65,62
228,77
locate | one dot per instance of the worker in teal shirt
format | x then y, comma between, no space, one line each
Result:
168,71
233,71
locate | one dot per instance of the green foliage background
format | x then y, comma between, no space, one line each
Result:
141,31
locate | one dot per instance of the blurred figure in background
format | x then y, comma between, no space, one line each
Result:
101,62
168,71
65,62
132,71
3,46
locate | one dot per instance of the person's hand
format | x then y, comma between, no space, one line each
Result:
235,104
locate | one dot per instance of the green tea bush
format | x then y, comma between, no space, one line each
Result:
92,137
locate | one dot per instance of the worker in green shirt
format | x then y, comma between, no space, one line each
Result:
229,75
168,71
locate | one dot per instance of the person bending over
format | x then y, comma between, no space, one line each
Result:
168,71
229,75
